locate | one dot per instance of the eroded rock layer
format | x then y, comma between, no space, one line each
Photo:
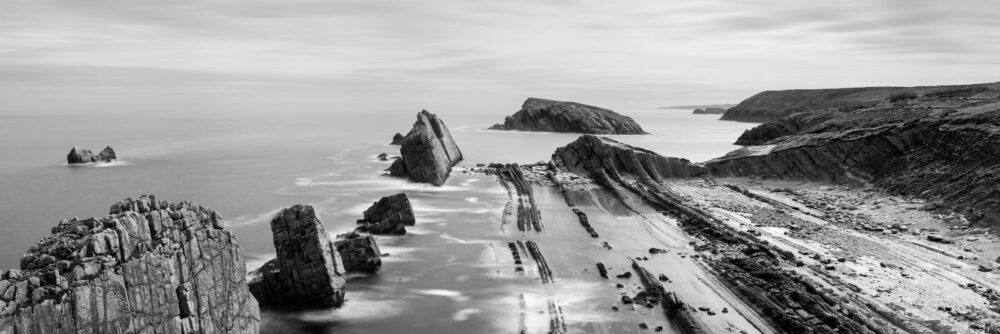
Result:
308,272
602,158
571,117
943,146
148,267
428,151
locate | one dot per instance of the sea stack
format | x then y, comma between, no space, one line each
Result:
307,272
390,215
142,268
543,115
81,156
358,252
427,152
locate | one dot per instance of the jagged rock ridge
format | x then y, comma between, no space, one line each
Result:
603,158
81,156
569,117
149,266
308,272
428,151
941,145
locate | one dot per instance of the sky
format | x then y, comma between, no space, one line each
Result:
466,55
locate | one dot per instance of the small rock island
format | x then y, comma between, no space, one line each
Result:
427,152
541,115
81,156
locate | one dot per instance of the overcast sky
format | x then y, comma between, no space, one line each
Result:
491,54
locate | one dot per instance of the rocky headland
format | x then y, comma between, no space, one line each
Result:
82,156
938,143
149,266
428,151
568,117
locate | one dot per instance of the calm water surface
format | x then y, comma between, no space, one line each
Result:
438,278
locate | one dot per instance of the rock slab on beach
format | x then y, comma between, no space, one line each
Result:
427,152
149,266
307,273
81,156
605,158
568,117
389,215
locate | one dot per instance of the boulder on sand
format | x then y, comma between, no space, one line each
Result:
389,215
428,151
307,272
81,156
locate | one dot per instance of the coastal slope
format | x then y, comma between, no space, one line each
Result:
940,145
543,115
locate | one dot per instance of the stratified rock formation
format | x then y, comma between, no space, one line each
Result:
390,215
709,111
771,106
428,151
604,158
359,253
941,144
81,156
148,267
569,117
307,273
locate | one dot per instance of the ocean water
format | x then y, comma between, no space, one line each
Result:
437,278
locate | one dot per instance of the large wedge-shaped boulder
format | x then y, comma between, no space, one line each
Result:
307,272
428,151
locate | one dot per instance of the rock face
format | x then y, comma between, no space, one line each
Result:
359,252
795,123
390,215
709,111
606,158
569,117
149,266
307,272
941,145
428,151
81,156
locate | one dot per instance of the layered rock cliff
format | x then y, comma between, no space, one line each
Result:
771,106
427,152
603,157
308,271
81,156
941,144
570,117
149,266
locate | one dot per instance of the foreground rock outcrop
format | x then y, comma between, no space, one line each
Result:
940,145
149,266
307,272
389,215
604,158
359,253
570,117
427,152
81,156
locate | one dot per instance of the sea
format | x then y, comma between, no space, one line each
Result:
438,278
